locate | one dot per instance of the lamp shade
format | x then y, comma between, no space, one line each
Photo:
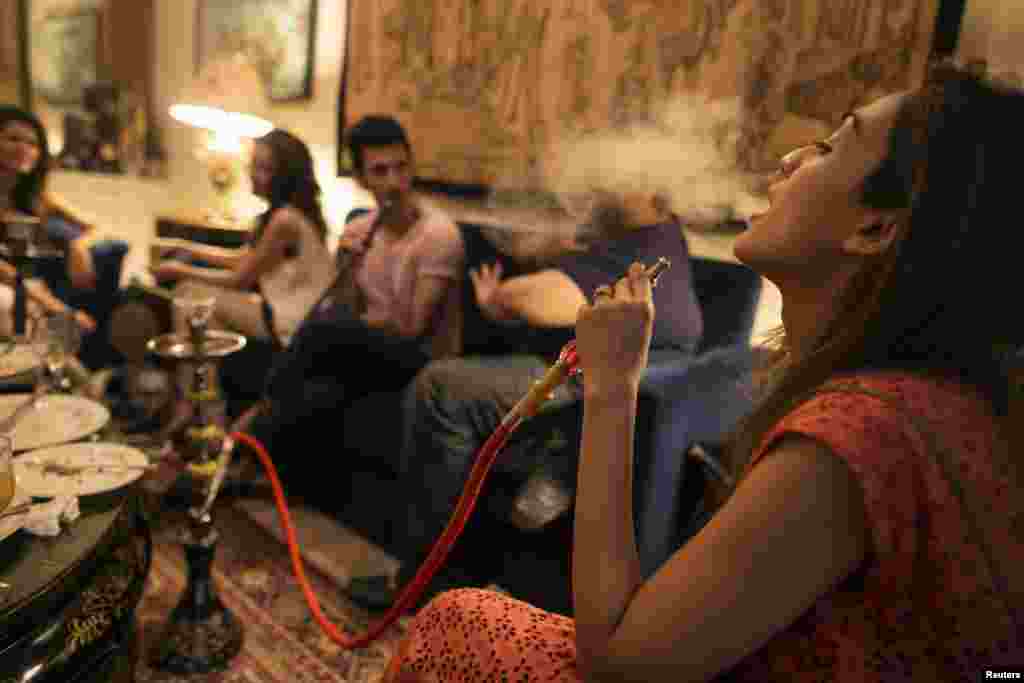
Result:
226,97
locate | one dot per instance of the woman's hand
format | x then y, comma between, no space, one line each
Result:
613,335
486,281
168,270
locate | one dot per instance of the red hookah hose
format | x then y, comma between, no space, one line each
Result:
526,408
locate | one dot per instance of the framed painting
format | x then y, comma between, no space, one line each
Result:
278,36
64,54
15,87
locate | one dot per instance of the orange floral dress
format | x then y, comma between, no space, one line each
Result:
929,603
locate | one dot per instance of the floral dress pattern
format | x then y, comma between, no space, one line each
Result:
940,596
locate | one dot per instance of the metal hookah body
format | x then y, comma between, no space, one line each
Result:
200,443
201,635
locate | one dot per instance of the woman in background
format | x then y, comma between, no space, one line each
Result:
264,289
24,166
877,532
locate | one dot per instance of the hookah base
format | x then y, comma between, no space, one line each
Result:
201,635
187,647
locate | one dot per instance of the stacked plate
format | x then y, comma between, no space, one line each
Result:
53,420
50,458
78,469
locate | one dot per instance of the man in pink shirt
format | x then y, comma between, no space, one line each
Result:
407,256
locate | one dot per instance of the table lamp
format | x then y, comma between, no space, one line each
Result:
228,100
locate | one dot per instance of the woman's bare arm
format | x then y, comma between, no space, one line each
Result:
267,254
792,531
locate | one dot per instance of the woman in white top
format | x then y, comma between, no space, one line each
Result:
264,289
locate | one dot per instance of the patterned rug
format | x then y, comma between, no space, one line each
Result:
254,580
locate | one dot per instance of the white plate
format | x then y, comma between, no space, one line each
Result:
11,523
111,457
55,419
17,360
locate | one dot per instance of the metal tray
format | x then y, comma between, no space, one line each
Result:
178,346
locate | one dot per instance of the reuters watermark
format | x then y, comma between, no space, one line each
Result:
1002,675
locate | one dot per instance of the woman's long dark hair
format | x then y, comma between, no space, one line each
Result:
294,180
936,302
29,188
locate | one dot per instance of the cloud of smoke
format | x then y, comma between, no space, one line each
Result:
687,155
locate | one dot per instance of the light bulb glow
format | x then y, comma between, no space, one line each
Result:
226,123
225,143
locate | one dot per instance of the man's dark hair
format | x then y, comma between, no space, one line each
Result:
375,130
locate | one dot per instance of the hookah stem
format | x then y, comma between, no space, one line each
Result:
527,407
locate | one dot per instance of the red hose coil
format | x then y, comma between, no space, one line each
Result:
565,366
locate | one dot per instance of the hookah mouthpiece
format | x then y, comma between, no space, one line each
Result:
566,366
568,356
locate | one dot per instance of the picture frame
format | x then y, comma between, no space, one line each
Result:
64,54
15,84
277,36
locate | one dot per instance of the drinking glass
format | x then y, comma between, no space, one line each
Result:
6,472
53,338
37,339
64,339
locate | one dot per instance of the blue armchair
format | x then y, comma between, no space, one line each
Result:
696,405
696,402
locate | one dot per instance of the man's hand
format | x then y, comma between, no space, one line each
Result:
486,282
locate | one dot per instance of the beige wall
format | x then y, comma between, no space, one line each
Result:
314,120
994,30
127,206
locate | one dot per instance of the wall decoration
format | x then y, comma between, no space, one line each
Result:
486,87
65,54
278,36
14,77
92,64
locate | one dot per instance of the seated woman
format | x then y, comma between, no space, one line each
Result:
876,531
24,165
264,289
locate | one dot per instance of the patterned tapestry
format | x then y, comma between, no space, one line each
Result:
485,87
